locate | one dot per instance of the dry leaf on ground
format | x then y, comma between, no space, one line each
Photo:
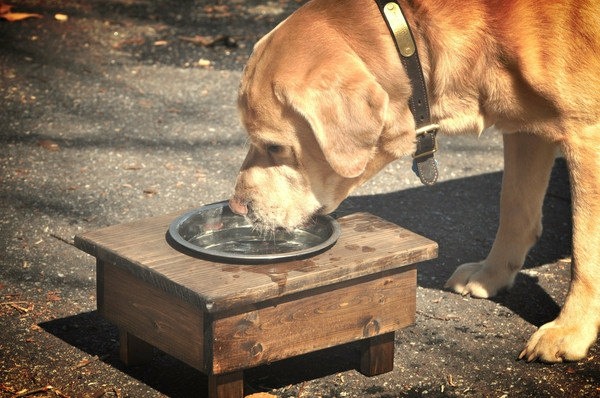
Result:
53,296
49,145
7,14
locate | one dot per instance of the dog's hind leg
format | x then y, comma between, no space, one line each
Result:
571,334
528,160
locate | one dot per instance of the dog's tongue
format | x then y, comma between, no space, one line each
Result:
238,207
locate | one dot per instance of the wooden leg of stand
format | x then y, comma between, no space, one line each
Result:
134,351
377,355
229,385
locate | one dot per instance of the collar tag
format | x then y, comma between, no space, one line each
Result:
400,29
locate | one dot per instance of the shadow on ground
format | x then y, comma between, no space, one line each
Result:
462,216
91,334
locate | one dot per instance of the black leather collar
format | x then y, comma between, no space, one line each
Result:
424,164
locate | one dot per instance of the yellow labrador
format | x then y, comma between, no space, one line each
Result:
324,99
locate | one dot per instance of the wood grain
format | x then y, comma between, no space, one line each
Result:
230,385
132,350
148,313
377,355
319,320
222,318
366,246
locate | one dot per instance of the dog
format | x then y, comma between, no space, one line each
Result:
324,100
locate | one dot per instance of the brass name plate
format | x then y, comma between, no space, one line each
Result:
399,26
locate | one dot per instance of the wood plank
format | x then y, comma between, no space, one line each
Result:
377,355
132,350
367,245
166,322
319,320
230,385
99,283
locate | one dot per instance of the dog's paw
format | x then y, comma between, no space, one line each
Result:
480,280
554,342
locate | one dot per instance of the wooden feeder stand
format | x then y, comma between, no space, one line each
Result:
224,318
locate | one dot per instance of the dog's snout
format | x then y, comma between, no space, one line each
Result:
238,207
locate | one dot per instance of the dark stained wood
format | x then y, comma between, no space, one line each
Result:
229,385
99,283
316,321
166,322
367,245
132,350
377,355
223,318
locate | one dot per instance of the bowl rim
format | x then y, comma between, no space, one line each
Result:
180,243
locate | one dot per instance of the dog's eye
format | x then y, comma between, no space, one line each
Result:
274,149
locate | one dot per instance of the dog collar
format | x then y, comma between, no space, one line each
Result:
424,164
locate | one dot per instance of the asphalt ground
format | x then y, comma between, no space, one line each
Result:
126,110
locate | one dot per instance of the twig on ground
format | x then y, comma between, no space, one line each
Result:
64,240
16,306
27,393
439,318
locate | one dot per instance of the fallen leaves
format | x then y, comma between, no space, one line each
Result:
170,166
26,393
199,40
111,391
210,41
447,317
150,191
7,14
49,145
204,62
450,381
218,11
132,41
53,295
20,173
85,362
200,175
18,305
133,166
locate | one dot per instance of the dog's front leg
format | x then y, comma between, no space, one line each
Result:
571,334
528,161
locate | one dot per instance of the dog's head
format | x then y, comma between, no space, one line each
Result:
319,124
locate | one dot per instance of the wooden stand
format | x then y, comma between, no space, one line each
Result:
224,318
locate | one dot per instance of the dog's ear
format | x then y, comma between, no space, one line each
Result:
345,107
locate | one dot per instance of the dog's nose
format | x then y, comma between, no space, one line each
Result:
238,207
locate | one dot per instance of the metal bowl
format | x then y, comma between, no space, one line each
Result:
216,232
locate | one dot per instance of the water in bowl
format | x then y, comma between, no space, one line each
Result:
249,240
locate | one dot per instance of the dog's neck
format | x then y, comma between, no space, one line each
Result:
424,163
452,49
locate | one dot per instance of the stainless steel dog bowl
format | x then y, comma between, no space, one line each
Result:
216,232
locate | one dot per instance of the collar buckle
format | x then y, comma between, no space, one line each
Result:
426,142
424,164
